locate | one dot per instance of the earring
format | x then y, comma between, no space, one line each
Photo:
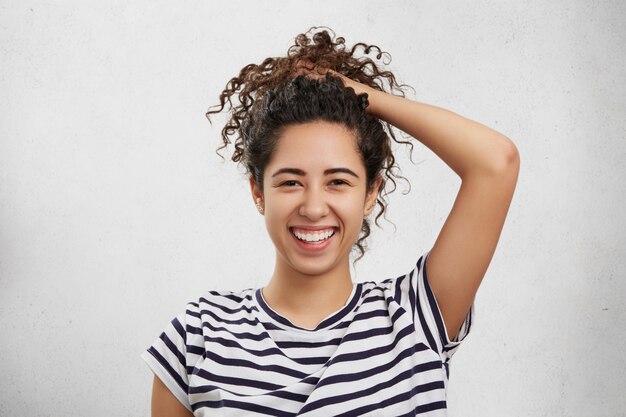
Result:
258,205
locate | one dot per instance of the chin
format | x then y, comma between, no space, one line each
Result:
312,267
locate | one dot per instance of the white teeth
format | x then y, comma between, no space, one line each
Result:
313,237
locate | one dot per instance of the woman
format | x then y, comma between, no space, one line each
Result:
310,132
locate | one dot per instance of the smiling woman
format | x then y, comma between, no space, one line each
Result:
316,184
314,132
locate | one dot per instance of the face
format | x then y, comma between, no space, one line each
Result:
315,197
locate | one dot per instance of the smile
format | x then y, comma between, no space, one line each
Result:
313,237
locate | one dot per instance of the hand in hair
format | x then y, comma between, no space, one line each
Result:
314,71
313,54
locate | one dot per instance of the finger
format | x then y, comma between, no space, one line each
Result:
305,63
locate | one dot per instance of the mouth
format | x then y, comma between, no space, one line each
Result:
312,237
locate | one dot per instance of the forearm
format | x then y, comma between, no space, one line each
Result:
466,146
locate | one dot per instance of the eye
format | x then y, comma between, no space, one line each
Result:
338,182
289,183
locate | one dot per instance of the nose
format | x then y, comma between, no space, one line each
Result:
314,205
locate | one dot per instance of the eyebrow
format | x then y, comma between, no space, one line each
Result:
301,173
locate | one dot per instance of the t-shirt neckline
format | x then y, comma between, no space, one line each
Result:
326,323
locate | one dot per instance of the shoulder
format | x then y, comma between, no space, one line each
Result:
224,300
218,306
402,281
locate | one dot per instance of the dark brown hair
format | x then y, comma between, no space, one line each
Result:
271,97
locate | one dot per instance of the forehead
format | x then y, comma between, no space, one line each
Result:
316,145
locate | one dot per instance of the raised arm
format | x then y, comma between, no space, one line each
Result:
487,163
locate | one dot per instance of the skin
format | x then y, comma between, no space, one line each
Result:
488,164
306,287
164,404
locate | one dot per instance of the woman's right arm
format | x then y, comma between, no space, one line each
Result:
164,403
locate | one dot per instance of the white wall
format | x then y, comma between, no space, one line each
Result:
115,210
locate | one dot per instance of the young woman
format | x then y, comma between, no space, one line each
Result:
313,131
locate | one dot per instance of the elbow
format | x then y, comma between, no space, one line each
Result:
511,153
508,161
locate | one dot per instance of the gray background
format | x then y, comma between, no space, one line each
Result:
115,211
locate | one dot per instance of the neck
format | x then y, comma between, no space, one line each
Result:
307,299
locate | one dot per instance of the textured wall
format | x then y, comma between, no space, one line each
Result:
115,210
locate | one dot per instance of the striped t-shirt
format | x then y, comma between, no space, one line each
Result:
384,353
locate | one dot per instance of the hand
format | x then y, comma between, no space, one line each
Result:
314,71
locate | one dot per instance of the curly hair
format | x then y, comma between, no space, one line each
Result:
271,97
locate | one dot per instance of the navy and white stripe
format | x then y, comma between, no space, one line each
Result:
384,353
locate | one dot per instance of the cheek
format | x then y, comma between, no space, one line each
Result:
351,210
277,212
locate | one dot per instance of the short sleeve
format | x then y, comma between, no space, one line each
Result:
167,357
428,315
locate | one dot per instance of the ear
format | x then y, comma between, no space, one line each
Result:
256,191
370,199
